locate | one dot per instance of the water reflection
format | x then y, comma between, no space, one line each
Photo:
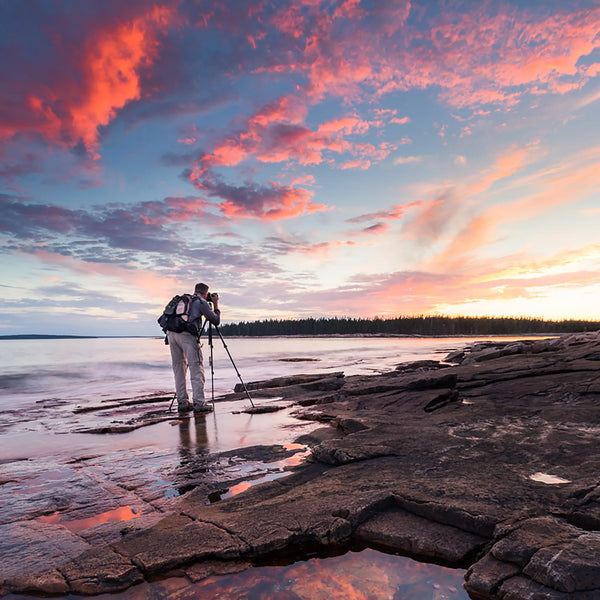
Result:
196,442
368,574
122,513
193,452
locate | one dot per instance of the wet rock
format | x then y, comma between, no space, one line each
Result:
28,547
435,463
521,588
444,380
570,567
286,382
487,575
50,582
350,425
400,531
527,537
177,540
420,365
329,453
100,570
201,571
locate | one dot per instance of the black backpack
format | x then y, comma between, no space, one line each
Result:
176,315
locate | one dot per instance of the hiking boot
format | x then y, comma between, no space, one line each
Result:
184,406
202,408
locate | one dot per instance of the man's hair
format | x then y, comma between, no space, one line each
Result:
200,288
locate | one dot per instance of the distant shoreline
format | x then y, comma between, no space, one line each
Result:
35,336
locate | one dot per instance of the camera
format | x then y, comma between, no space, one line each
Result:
211,297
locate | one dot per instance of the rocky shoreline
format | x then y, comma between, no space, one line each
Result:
488,461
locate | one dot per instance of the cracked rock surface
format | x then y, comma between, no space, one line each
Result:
488,461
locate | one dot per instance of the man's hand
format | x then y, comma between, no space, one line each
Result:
215,300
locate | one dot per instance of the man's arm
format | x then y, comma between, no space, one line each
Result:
202,307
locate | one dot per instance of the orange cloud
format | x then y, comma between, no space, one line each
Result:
324,249
269,203
108,79
395,212
506,165
510,285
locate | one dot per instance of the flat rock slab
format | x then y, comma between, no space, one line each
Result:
491,462
36,545
177,540
98,571
400,531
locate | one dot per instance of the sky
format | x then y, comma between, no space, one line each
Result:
304,158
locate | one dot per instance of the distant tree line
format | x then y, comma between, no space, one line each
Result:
408,325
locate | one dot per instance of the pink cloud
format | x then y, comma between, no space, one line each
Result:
131,276
267,203
323,250
433,219
395,212
406,160
71,108
377,229
512,278
358,163
490,54
475,58
287,109
274,134
283,203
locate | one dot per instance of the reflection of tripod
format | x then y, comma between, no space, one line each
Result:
212,365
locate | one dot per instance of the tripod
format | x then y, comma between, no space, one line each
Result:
212,368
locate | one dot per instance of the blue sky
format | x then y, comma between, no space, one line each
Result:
303,158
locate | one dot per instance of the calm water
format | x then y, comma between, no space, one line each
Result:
42,381
85,370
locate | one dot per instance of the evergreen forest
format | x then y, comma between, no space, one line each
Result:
408,325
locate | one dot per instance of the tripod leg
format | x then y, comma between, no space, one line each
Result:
212,365
236,369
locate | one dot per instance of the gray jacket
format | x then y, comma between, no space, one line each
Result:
201,308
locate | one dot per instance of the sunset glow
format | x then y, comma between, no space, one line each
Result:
302,157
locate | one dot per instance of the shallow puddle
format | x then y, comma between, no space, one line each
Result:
122,513
547,478
365,575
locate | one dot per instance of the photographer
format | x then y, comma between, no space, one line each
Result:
186,352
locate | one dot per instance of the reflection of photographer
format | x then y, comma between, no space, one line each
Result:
186,352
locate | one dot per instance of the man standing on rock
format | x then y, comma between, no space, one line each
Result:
186,352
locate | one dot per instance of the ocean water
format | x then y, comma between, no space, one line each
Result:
87,370
43,381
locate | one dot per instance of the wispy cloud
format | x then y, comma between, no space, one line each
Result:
407,160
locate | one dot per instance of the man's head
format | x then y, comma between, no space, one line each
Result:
201,289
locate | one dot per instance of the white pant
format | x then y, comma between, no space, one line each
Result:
186,352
